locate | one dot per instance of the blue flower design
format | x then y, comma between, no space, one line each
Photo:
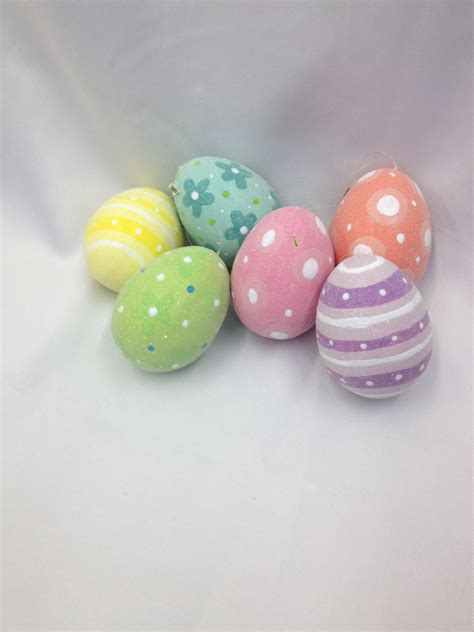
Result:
197,196
234,171
242,225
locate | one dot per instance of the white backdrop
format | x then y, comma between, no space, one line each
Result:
246,492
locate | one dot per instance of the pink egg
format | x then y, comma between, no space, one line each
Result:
279,271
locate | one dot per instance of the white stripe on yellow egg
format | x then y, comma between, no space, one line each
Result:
128,230
110,243
152,223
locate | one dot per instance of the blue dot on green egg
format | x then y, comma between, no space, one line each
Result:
151,348
190,289
204,345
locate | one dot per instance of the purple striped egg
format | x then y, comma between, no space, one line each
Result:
373,328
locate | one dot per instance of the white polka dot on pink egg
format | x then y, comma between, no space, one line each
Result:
281,267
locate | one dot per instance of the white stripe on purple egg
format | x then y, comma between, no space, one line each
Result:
373,330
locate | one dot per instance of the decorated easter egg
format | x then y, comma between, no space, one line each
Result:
279,271
373,328
168,314
384,213
128,230
219,201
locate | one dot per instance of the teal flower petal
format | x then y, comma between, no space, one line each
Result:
202,186
234,171
207,198
242,225
231,233
237,218
196,195
189,185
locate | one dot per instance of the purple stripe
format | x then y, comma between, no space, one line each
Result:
390,289
384,380
377,343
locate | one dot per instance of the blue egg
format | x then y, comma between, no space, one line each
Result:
219,201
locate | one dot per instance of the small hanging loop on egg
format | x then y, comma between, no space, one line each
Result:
370,163
174,189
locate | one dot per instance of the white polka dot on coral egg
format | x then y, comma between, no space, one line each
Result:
349,227
427,238
388,205
413,203
346,296
216,302
363,249
310,268
330,259
418,259
392,174
245,259
185,323
253,296
152,311
320,225
279,335
268,238
288,313
400,238
187,259
367,175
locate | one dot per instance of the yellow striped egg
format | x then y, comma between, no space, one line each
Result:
127,231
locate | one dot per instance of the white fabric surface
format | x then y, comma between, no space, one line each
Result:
247,491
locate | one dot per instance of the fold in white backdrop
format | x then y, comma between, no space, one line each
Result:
247,491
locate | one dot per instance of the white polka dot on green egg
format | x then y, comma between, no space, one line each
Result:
219,201
168,314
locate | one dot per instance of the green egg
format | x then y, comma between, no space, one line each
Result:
168,314
219,201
